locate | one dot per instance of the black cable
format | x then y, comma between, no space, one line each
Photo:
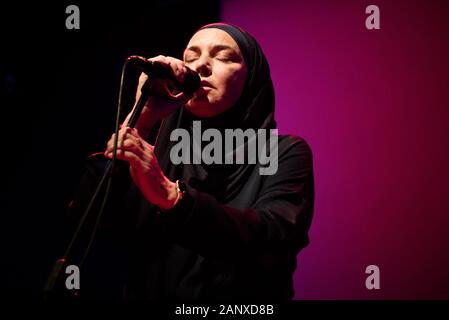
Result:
111,167
108,173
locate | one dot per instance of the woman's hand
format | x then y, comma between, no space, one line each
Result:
162,101
144,168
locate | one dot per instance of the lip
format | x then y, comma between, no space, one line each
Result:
206,84
203,90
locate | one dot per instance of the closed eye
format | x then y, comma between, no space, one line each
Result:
222,53
227,57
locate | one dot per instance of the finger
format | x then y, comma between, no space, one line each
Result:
124,134
110,142
142,79
129,145
125,155
159,58
180,97
179,71
133,134
177,66
121,137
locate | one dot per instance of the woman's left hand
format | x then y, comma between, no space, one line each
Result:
144,167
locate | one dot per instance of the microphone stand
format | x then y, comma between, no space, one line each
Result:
108,173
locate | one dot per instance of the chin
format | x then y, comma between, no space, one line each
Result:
203,107
202,112
200,107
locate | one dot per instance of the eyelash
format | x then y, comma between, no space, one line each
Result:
223,59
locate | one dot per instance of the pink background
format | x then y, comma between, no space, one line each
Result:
373,104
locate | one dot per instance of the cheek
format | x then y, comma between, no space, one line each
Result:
234,85
231,83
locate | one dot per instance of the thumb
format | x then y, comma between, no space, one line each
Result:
179,97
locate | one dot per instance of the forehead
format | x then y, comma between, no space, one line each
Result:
210,37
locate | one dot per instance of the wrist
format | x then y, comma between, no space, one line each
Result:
171,195
175,195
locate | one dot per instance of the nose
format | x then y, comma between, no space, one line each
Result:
203,67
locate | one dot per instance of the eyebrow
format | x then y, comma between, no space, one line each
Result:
216,48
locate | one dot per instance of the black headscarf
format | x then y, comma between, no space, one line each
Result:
254,109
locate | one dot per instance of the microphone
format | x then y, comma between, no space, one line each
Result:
191,83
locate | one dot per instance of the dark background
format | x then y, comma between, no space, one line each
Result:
58,97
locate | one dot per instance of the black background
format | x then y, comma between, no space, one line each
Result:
58,99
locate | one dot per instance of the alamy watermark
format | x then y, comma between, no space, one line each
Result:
72,21
372,22
73,279
373,280
235,147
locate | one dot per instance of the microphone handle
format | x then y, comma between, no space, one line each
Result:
191,83
145,93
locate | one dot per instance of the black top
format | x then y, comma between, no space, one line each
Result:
203,249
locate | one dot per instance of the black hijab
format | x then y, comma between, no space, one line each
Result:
254,109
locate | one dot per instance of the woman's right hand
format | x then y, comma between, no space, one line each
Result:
162,102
